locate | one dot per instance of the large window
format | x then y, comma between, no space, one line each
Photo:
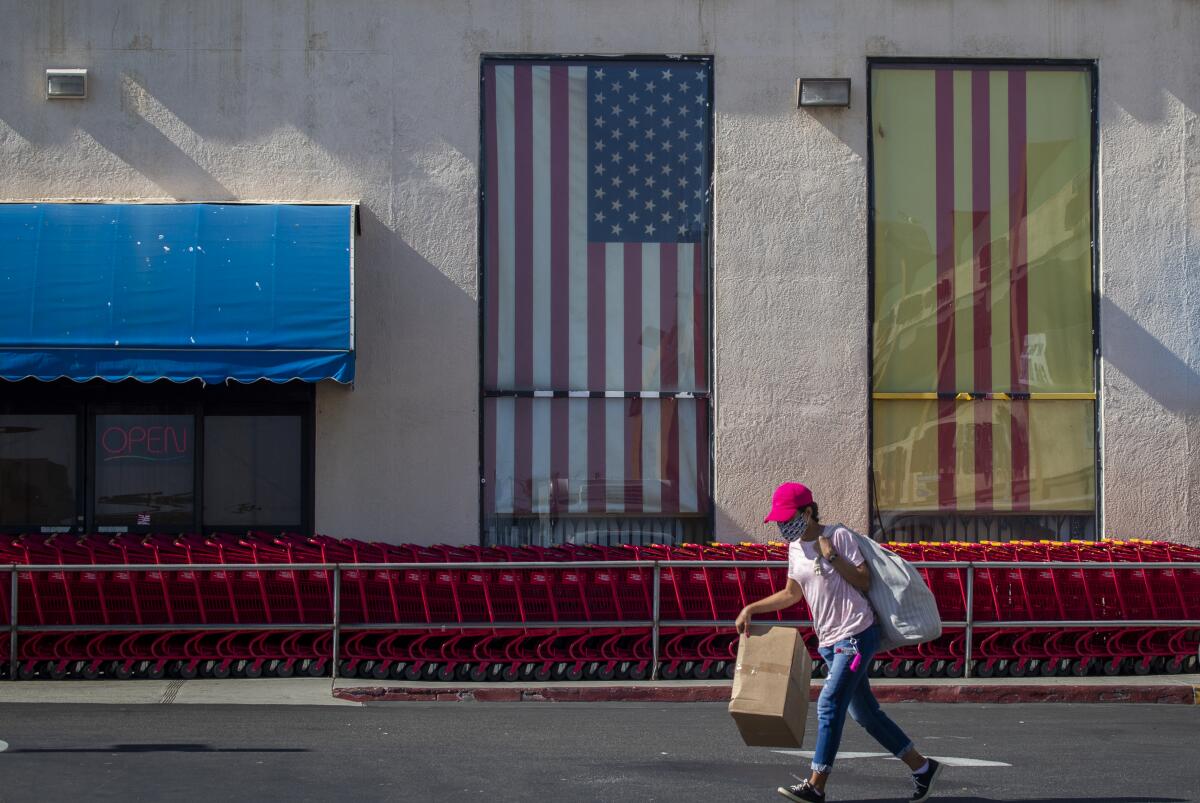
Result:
159,457
984,384
595,220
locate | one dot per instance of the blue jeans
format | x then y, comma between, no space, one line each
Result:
847,691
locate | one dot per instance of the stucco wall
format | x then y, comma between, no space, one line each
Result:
378,102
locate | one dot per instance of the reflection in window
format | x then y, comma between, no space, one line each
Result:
252,471
37,470
144,470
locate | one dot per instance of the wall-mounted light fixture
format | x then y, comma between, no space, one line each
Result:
823,92
66,83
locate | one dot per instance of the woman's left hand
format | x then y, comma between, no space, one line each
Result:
826,547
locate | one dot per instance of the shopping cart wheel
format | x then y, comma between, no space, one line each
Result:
510,673
1141,667
27,671
702,672
411,673
56,670
891,669
639,671
1080,667
495,673
574,673
1173,665
1049,667
908,669
462,672
1017,669
1112,668
590,670
253,669
121,670
954,669
156,671
606,672
542,673
924,669
347,668
446,673
221,670
317,668
188,670
730,670
380,671
669,671
477,673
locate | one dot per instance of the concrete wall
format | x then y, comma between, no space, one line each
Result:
378,101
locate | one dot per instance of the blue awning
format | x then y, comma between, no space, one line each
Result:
177,291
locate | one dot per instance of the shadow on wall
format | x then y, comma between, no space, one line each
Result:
1150,365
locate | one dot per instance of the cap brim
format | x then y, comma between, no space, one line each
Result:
780,514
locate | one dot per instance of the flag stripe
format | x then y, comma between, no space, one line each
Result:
523,224
651,457
982,231
668,317
560,277
670,455
689,469
492,243
633,373
597,422
1018,286
944,182
506,227
700,438
541,291
650,328
579,321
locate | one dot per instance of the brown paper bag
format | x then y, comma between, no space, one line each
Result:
771,687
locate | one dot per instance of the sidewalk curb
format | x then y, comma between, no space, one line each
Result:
1178,694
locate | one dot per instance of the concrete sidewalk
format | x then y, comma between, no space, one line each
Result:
1177,689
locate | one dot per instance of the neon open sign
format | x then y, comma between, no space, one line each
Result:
157,443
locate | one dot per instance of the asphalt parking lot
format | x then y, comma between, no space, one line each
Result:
602,752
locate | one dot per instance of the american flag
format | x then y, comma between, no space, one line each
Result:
596,198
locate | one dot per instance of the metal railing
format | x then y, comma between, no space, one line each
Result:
656,623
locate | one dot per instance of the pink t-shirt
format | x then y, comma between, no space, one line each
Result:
839,610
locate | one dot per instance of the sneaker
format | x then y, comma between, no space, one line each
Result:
923,782
802,791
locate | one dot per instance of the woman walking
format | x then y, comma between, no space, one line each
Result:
826,567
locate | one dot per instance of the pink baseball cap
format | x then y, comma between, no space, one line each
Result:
787,499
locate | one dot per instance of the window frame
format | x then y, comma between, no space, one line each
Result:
708,514
1091,67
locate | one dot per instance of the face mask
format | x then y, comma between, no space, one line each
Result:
791,530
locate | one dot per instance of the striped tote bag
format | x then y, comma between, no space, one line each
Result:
904,606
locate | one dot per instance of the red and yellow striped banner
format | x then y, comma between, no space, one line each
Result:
983,284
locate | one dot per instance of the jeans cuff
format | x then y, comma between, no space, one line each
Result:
822,768
901,753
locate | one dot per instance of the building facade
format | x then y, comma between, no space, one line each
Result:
962,305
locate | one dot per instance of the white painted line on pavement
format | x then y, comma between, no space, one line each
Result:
949,761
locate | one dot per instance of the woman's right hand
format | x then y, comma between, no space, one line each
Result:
742,622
